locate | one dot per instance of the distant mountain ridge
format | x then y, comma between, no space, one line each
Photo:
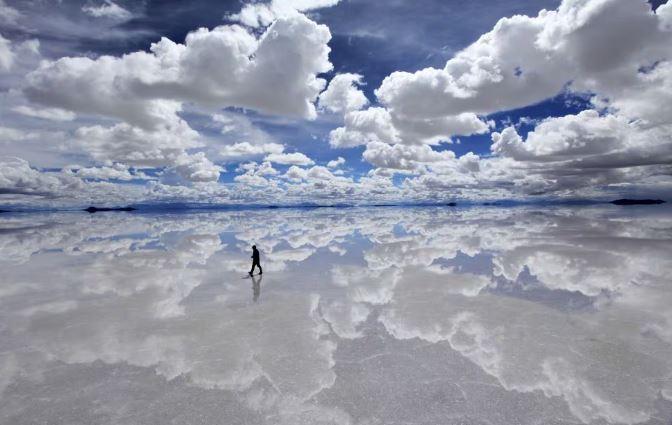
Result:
97,209
637,202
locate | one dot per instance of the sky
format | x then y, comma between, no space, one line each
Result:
112,102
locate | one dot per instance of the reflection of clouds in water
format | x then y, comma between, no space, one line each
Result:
273,353
589,255
269,363
26,234
163,292
529,347
168,271
360,289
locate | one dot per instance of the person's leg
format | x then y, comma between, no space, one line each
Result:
252,269
260,270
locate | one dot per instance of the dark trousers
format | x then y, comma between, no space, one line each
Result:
256,263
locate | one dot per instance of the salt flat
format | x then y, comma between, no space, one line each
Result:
362,316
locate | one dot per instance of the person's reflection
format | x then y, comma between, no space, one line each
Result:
256,288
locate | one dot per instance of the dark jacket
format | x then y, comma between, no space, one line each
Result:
255,255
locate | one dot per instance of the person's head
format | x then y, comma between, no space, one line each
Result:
254,247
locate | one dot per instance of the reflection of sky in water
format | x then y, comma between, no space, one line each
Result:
362,316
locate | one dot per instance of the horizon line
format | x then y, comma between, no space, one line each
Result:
182,206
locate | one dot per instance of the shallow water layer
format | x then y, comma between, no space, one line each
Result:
362,316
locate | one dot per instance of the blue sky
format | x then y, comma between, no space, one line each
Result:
423,101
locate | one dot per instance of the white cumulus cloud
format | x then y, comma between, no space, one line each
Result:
223,67
258,14
342,94
107,9
295,158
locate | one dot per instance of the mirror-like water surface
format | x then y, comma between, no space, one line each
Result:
362,316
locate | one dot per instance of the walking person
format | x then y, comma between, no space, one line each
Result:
255,260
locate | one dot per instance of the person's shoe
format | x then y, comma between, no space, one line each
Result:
250,273
260,272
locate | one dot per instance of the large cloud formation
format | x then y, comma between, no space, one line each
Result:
223,67
228,66
617,51
137,110
597,46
